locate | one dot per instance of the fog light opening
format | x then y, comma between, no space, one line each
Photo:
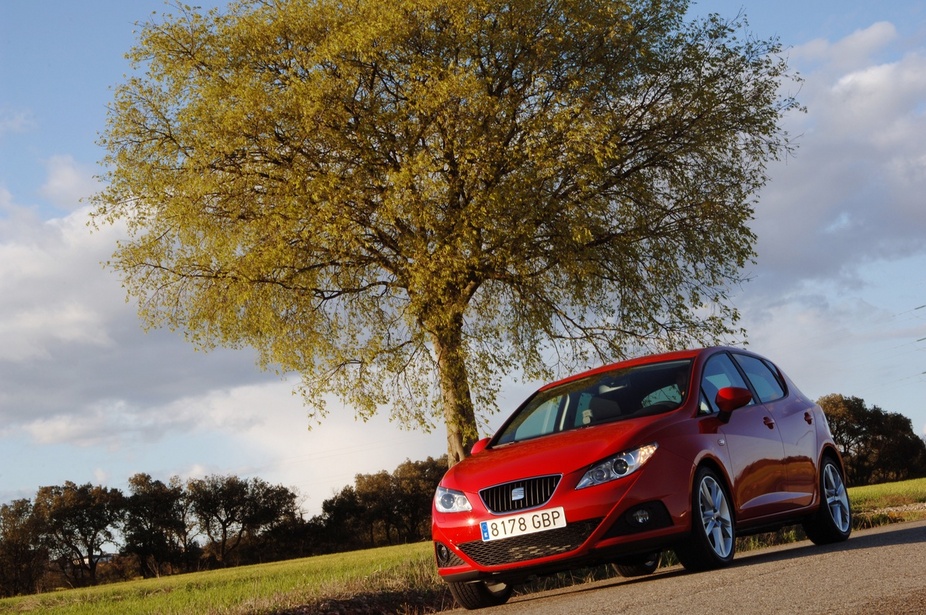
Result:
640,517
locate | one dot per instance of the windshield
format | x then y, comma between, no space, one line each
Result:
611,396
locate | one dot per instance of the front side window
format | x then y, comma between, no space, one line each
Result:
603,398
719,373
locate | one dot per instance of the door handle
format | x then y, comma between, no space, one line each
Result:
809,418
769,422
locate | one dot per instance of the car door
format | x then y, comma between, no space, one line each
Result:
752,440
795,424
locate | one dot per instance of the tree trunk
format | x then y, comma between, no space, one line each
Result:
459,415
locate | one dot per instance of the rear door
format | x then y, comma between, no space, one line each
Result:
795,424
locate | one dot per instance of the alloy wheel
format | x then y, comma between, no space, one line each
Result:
715,516
837,501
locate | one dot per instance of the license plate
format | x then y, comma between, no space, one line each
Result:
525,523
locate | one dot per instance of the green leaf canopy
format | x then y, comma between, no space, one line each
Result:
406,202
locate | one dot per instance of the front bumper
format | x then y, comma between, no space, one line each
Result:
641,513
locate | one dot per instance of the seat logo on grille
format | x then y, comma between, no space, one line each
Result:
517,494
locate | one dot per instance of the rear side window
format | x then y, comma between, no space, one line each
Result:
764,381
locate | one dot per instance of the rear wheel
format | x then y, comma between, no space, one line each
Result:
833,521
480,594
712,542
639,565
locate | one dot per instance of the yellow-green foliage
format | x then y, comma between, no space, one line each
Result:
406,201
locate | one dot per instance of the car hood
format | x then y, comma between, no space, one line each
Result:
561,453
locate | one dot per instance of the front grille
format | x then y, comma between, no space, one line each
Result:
530,492
530,546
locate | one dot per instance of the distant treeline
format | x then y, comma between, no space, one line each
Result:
79,535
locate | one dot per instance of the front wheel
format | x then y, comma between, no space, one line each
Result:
833,521
480,594
712,542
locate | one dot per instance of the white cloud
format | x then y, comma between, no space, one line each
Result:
67,182
12,121
253,430
853,193
12,215
100,477
111,424
267,424
856,49
28,334
317,462
882,102
79,377
69,340
52,290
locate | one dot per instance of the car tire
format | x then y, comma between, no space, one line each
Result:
479,594
712,542
833,521
638,566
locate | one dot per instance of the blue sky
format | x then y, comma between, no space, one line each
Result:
837,296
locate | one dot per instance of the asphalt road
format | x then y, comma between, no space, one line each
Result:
880,571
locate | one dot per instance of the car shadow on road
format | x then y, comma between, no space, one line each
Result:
884,536
904,533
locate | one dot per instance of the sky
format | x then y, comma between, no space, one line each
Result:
837,296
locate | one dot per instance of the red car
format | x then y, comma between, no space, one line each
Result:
681,451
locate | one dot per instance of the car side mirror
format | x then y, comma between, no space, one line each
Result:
479,446
729,399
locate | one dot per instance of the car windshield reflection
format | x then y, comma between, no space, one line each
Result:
603,398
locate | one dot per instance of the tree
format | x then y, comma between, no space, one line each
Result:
405,205
185,537
876,446
75,522
22,560
220,505
383,508
272,511
847,418
343,521
414,483
269,505
376,497
154,524
230,509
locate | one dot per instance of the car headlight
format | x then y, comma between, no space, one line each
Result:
617,466
450,500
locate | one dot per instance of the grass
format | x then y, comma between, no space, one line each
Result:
398,579
888,495
875,505
401,575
